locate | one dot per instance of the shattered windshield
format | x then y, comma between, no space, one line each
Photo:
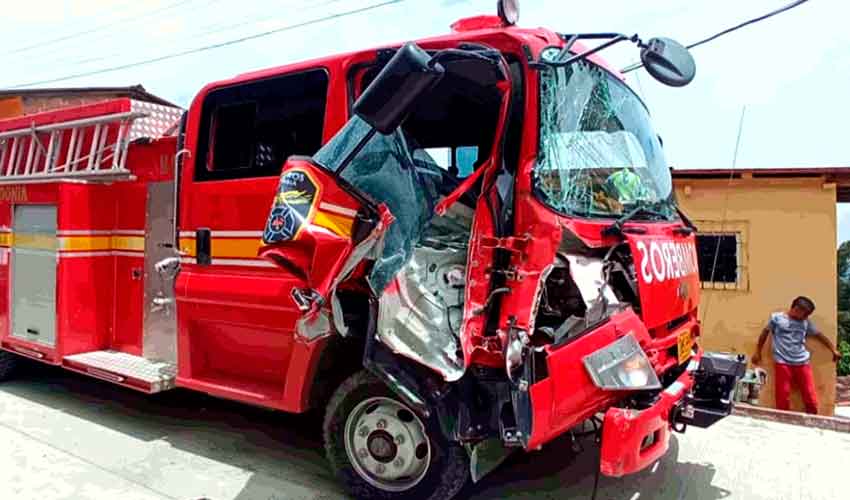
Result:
599,156
389,171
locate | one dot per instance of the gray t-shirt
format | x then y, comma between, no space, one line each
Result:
789,339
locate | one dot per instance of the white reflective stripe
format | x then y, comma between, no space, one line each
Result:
693,365
674,388
83,232
232,262
105,232
225,234
242,262
330,207
75,255
129,254
237,234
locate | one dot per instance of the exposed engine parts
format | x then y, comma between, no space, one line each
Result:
583,289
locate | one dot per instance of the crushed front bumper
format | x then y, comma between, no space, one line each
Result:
700,396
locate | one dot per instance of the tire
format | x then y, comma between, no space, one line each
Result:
435,468
8,364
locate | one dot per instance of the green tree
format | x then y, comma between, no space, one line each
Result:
844,362
844,307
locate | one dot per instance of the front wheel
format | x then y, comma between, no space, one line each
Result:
382,449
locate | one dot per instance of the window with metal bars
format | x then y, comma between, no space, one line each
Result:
719,258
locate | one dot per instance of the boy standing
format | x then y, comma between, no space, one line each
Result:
790,330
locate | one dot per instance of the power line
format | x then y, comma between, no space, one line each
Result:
715,36
720,234
747,23
200,34
209,47
101,27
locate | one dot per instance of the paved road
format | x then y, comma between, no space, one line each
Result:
63,436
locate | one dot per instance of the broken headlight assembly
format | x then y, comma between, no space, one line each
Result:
621,366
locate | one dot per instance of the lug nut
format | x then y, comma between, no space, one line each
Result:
380,469
399,463
364,431
399,439
363,453
382,424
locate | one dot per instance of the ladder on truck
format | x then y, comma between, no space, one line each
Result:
87,142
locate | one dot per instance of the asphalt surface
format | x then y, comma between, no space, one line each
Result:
64,436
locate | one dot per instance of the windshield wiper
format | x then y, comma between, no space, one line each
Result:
616,229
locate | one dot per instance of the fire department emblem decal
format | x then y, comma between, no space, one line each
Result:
295,198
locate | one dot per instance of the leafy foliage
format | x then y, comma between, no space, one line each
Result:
844,308
844,362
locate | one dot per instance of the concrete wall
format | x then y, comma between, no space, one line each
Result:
788,235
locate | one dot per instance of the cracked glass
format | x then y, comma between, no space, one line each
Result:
599,156
390,171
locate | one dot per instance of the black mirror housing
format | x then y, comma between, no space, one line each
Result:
394,93
668,61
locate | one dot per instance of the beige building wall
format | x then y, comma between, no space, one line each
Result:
787,231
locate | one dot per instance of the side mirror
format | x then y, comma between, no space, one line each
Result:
668,61
391,97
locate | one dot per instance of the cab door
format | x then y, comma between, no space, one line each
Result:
235,321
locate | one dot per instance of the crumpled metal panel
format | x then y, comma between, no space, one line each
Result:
587,272
421,311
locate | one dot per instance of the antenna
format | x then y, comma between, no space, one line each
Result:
725,206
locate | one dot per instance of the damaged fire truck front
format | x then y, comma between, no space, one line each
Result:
482,253
507,295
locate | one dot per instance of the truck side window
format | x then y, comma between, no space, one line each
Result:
458,160
250,130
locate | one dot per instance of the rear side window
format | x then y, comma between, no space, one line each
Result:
249,130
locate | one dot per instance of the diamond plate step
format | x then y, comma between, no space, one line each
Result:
125,369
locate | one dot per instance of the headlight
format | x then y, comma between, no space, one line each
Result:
621,366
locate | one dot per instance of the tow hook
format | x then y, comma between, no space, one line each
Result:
681,413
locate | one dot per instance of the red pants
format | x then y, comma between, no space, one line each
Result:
802,376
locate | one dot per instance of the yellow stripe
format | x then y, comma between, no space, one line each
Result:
339,224
128,243
73,243
187,246
225,247
85,243
34,241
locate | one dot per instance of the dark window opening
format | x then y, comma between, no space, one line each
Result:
456,122
726,249
250,130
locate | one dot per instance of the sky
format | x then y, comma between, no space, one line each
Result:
790,72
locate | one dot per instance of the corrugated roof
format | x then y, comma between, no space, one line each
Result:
136,92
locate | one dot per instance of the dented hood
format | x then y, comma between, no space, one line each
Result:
667,274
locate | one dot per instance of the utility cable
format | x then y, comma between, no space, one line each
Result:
725,211
205,48
200,34
711,38
134,17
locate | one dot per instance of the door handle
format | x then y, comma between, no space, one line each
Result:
203,246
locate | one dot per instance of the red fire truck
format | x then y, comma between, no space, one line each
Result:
473,247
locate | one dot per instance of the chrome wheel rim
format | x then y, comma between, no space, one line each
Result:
386,444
